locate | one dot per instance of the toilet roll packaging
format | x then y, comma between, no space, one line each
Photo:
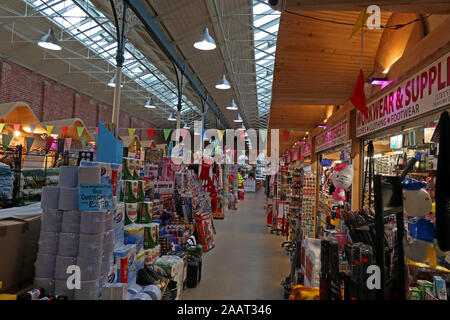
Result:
140,259
105,176
145,212
151,235
134,234
127,169
116,176
125,259
131,210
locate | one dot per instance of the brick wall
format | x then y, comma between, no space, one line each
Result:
51,100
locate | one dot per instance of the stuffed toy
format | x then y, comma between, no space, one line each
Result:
417,204
342,179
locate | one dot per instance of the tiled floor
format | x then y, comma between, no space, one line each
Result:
247,261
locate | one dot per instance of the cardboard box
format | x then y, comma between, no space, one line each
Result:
18,249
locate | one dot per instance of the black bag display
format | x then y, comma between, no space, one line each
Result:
194,272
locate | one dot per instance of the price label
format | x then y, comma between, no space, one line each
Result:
93,197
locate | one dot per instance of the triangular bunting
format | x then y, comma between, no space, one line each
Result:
359,97
96,130
32,127
83,141
16,127
183,133
68,143
6,139
360,21
1,127
286,134
80,131
166,133
150,133
64,130
221,133
49,129
30,141
263,133
131,131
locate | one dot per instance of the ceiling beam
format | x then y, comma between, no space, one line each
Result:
155,32
405,6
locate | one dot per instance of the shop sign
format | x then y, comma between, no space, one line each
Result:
97,196
427,90
332,137
306,150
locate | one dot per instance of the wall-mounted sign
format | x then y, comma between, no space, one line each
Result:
326,162
332,137
427,90
93,197
306,150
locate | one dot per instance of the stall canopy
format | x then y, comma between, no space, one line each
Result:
19,113
72,128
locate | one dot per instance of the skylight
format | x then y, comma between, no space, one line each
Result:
265,25
97,33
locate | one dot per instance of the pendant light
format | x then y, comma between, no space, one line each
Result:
171,118
149,104
238,119
49,41
232,106
223,84
205,42
112,82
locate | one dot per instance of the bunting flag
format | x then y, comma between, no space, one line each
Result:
359,97
256,152
6,139
263,133
49,129
30,141
83,141
131,132
96,130
32,127
16,127
169,151
221,133
1,127
64,130
80,131
362,18
150,133
166,133
68,143
242,134
184,133
286,134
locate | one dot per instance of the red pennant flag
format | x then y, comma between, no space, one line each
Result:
359,97
286,134
150,133
96,130
64,130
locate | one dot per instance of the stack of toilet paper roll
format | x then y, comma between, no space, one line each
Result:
70,237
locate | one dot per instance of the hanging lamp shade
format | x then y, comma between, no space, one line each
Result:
238,119
232,106
223,84
205,42
112,82
49,41
149,104
171,118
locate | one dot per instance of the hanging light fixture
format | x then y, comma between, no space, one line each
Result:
205,42
49,41
232,106
112,82
223,84
238,119
149,104
171,118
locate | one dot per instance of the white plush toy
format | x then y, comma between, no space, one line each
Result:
417,204
342,179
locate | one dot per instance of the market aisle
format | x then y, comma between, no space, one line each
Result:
247,262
